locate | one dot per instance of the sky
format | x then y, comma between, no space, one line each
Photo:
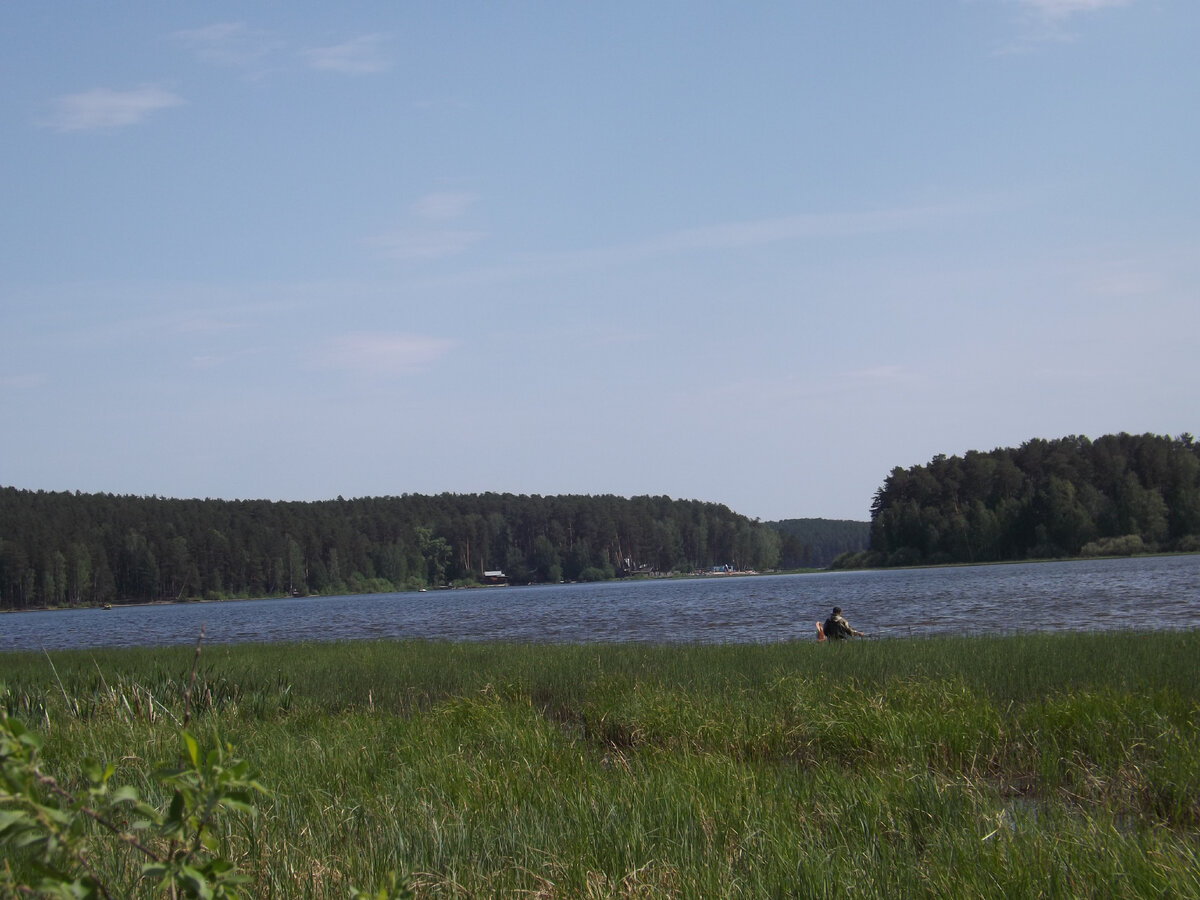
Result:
753,254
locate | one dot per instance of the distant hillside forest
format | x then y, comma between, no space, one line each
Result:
816,543
1118,495
62,549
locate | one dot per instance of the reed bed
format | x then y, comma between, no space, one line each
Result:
1052,765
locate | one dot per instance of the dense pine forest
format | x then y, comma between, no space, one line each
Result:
816,543
62,549
1118,495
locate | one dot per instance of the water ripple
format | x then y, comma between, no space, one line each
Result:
1142,593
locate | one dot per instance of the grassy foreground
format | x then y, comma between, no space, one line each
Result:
1045,766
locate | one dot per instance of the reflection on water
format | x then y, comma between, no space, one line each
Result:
1143,593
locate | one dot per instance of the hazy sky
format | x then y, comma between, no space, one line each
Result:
757,254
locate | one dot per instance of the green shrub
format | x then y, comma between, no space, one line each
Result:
1126,545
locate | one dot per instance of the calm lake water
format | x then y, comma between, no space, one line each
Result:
1084,595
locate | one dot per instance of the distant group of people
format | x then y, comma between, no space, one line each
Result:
836,628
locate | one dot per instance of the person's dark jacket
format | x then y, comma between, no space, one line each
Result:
838,629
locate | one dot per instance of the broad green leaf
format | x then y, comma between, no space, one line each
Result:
175,812
10,817
196,881
191,748
32,837
238,802
126,794
93,771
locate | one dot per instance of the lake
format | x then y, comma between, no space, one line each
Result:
1081,595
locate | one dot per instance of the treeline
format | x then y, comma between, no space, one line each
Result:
1118,495
816,543
61,549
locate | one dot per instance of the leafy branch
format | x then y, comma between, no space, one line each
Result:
63,843
50,828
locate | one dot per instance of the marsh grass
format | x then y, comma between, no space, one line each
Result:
1050,765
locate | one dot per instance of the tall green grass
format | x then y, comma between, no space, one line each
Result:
1050,765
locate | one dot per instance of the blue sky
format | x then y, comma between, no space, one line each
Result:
751,254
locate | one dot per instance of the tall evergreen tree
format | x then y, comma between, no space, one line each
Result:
1064,497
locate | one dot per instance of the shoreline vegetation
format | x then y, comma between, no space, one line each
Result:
407,590
1121,495
1052,765
639,577
59,548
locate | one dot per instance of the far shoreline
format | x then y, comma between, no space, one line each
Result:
699,576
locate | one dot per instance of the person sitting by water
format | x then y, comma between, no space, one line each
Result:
837,628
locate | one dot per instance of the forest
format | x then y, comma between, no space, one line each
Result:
816,543
1118,495
70,549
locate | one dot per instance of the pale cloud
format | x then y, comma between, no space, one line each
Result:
789,228
106,109
385,353
359,56
1057,10
1050,21
443,205
218,33
431,239
230,44
728,236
